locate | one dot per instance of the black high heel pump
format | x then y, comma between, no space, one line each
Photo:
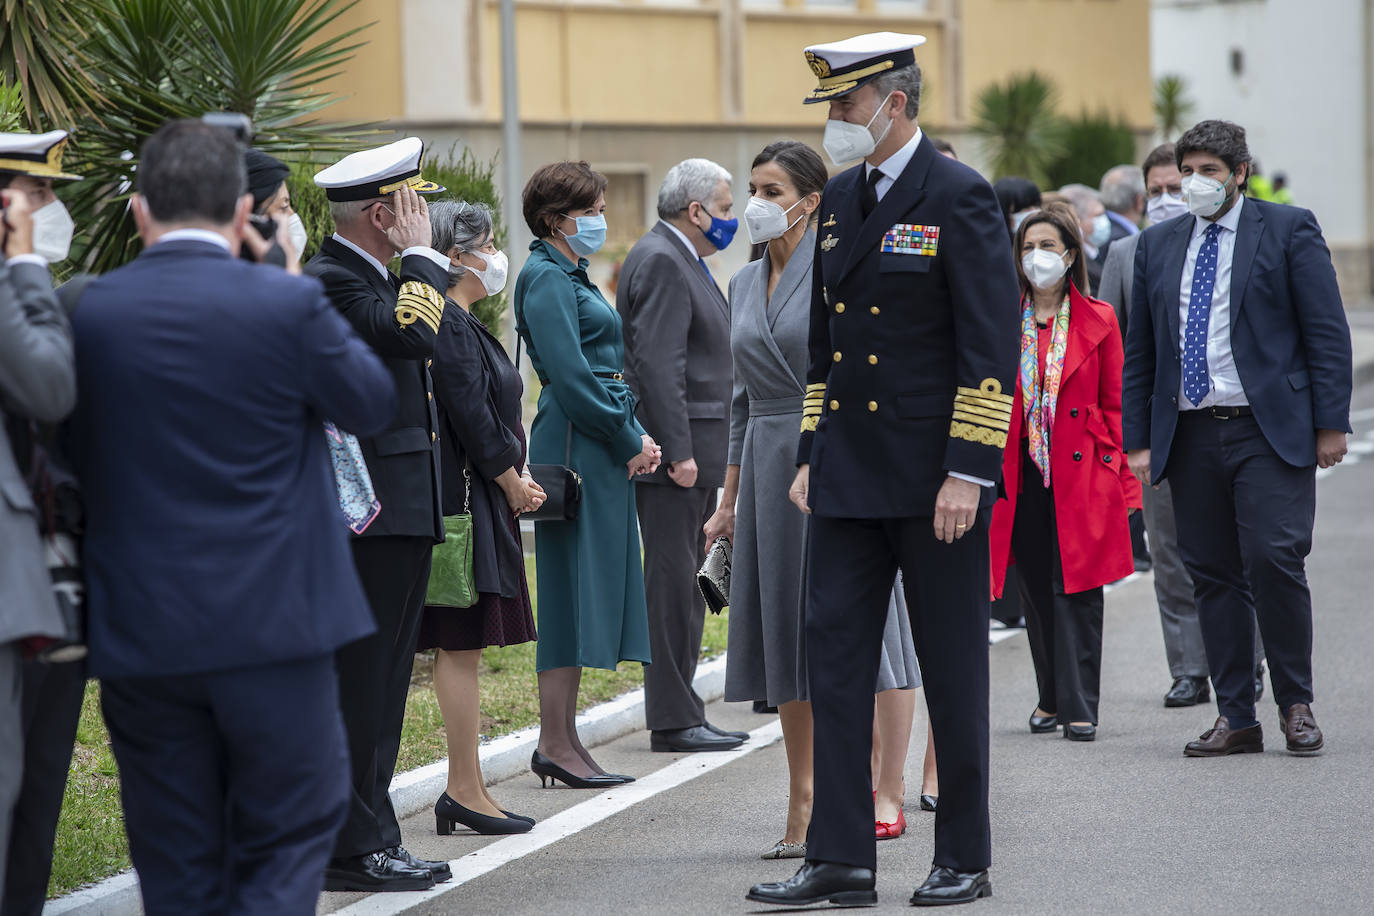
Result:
448,814
548,771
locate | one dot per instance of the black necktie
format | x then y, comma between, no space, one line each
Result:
869,201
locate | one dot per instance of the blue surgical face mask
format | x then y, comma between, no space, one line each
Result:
722,231
1102,231
590,235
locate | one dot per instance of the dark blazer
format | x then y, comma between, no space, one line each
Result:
677,354
478,391
913,357
214,537
403,459
1289,333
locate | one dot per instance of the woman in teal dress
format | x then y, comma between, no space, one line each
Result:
590,582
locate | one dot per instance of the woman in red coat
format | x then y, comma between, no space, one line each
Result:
1064,516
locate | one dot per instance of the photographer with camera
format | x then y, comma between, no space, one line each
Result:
37,382
219,576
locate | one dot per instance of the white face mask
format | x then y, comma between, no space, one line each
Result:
766,220
494,277
52,232
295,229
845,141
1102,231
1204,195
1164,207
1044,269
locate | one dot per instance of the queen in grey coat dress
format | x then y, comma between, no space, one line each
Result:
767,647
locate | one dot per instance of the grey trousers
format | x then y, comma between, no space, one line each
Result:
11,744
670,522
1174,590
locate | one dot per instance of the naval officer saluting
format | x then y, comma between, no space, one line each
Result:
374,198
913,353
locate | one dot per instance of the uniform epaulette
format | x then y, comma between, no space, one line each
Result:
982,414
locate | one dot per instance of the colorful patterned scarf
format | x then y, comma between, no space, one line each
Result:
1037,399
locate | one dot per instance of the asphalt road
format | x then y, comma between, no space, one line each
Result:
1123,825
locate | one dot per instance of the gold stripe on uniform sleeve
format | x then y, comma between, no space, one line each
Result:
980,434
419,301
812,405
983,414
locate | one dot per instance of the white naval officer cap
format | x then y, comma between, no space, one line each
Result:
843,66
39,155
377,172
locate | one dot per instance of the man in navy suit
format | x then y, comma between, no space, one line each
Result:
1237,388
219,575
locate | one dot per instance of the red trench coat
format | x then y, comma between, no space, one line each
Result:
1092,485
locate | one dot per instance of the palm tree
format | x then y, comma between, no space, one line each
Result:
1172,105
1020,130
42,52
161,61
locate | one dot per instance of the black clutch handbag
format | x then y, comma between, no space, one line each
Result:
713,579
562,485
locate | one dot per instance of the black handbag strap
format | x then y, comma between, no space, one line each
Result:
567,448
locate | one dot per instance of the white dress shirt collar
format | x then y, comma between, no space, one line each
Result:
1230,221
381,268
686,243
194,235
893,166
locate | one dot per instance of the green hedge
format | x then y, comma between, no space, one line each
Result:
465,177
1093,143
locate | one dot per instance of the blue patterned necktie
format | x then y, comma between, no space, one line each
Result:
1196,382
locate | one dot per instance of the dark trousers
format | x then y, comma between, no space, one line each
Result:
853,563
233,785
374,679
51,707
670,522
1245,521
1064,629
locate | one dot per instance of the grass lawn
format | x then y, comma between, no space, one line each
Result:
90,836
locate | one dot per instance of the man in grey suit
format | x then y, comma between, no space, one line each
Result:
1173,586
677,362
37,382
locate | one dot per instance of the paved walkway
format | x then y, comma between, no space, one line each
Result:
1123,825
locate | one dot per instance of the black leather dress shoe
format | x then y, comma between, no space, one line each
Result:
946,886
1300,731
1187,691
820,882
1080,732
743,736
375,872
1040,725
687,740
439,870
929,802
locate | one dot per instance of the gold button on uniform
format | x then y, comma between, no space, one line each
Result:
875,310
430,395
838,356
834,405
839,308
433,436
872,406
872,359
428,363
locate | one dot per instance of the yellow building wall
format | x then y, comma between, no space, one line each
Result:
1097,52
776,77
368,86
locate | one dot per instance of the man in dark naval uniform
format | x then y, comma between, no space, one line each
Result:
913,355
374,200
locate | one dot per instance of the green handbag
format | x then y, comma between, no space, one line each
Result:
450,575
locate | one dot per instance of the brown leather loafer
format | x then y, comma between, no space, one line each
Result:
1221,739
1300,730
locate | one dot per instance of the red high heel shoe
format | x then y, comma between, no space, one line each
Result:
885,831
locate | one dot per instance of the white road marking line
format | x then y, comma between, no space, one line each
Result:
566,823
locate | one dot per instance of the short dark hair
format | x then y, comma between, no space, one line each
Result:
1161,155
1062,217
190,172
1223,139
1014,195
802,164
943,146
557,188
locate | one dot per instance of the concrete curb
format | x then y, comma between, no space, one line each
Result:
416,790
